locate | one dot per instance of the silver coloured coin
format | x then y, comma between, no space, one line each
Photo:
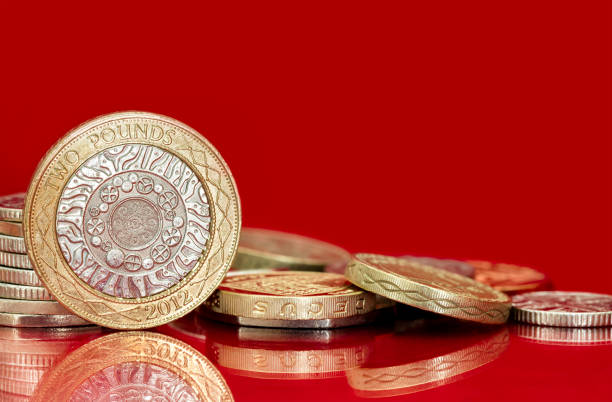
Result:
12,244
23,292
15,260
41,320
19,276
133,221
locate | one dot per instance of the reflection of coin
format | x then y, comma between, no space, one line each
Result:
427,373
261,248
12,244
564,336
19,276
41,320
290,296
11,207
151,205
31,307
509,278
454,266
14,229
15,260
428,288
563,309
23,292
134,365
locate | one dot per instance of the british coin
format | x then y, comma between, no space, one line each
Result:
22,292
563,309
290,295
153,206
134,363
15,260
14,229
454,266
564,336
19,276
12,244
26,374
428,288
509,278
28,335
17,306
11,207
41,320
262,248
20,388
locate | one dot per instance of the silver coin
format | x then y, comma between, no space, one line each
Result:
12,244
15,260
133,221
41,320
19,276
11,207
454,266
17,306
23,292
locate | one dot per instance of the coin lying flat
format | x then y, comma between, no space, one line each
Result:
563,309
262,248
152,205
12,291
11,207
15,260
130,366
509,278
17,306
428,288
304,298
41,320
19,276
12,244
454,266
14,229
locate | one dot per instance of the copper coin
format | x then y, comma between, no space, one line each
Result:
509,278
454,266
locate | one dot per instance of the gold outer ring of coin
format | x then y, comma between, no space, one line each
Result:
15,260
14,229
19,276
11,213
142,347
260,256
12,244
17,306
431,289
41,320
145,312
23,292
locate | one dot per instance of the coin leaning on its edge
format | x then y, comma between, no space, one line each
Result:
150,201
428,288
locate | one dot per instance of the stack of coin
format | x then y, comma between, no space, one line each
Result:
24,302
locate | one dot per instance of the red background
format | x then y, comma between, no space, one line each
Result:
456,129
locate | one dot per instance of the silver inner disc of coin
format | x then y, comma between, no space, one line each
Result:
133,221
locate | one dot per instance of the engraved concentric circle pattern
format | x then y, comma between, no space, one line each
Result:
133,220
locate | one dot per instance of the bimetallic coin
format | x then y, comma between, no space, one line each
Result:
41,320
15,260
132,365
14,229
12,244
11,207
564,336
12,291
137,211
19,276
509,278
290,295
563,309
428,288
454,266
262,248
17,306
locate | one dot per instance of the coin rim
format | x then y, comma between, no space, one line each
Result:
11,214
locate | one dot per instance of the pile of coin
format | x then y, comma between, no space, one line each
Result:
133,220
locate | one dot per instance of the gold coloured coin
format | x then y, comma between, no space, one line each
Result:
153,206
23,292
15,260
17,306
262,248
41,320
14,229
134,363
19,276
12,244
11,207
290,296
428,288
